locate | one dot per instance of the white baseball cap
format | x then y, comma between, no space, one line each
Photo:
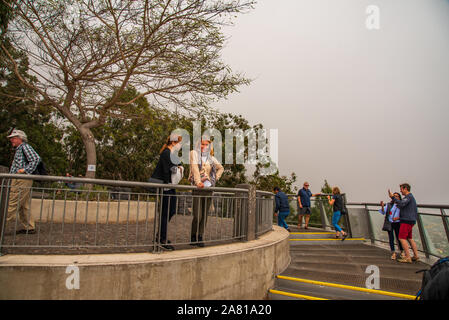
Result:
18,133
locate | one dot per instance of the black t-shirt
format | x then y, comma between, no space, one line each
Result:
163,167
338,204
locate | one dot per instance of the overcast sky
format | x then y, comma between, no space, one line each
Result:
364,109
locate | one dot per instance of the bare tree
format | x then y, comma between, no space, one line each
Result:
85,53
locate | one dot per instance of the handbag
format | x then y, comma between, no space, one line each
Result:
177,174
387,223
152,189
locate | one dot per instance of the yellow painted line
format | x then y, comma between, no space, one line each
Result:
295,295
342,286
330,239
312,232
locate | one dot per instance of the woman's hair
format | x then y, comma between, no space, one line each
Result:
399,195
335,190
204,138
169,143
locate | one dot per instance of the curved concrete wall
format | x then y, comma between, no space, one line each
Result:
233,271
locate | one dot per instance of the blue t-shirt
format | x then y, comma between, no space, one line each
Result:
304,195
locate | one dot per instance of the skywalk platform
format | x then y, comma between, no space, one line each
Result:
323,267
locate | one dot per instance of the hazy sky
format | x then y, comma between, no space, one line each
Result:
364,109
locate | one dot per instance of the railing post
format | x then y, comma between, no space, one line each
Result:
370,226
250,217
445,223
424,241
323,215
3,209
346,217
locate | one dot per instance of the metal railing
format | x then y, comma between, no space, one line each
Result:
108,216
321,215
432,227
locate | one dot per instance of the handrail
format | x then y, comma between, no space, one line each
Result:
425,206
116,183
85,217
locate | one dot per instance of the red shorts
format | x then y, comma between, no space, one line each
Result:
405,231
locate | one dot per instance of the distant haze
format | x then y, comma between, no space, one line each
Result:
364,109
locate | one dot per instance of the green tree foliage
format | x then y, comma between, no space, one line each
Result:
84,54
268,182
17,111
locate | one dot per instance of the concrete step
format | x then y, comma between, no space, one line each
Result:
324,241
355,278
385,271
330,291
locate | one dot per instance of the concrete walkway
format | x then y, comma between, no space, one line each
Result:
326,268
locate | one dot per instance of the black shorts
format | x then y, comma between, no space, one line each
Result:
305,210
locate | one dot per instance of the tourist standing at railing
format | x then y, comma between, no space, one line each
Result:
304,210
163,172
337,202
282,209
205,171
25,161
392,224
408,215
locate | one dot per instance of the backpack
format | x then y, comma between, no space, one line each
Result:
40,169
435,281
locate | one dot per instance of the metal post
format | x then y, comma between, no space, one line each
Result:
250,217
3,208
370,226
424,241
323,215
445,223
346,217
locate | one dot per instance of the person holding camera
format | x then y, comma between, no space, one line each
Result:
392,224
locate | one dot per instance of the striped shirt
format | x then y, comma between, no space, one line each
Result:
25,158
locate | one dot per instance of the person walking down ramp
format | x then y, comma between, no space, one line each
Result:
337,202
282,209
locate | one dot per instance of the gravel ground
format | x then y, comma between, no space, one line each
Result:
79,238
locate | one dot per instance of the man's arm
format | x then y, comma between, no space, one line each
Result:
277,200
401,203
31,157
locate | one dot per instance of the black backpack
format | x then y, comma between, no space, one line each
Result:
40,169
435,281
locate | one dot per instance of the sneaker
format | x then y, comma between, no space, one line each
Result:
415,259
23,231
200,242
393,256
168,247
404,260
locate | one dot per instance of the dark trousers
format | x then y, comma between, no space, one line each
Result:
391,234
201,204
168,211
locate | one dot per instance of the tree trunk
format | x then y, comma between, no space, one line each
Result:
91,152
